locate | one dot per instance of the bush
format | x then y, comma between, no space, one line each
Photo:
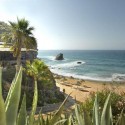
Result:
117,101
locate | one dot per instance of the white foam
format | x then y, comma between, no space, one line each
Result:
60,72
50,57
68,65
118,77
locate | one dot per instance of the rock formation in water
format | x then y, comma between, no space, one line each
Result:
59,57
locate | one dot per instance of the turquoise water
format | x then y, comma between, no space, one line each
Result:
101,65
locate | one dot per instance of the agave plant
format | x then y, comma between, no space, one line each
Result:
9,108
9,114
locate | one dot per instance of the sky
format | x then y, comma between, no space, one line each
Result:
71,24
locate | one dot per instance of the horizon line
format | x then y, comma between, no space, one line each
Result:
81,49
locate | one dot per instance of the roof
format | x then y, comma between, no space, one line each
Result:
8,49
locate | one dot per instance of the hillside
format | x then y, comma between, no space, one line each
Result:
3,28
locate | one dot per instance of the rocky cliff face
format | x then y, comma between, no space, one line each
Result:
47,90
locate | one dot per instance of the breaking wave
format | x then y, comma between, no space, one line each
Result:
118,77
69,65
61,72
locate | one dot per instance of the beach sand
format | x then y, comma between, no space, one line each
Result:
81,89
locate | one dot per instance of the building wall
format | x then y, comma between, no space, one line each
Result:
8,56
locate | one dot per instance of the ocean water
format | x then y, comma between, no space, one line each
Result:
98,65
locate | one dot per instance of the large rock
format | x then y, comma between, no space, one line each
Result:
59,57
79,62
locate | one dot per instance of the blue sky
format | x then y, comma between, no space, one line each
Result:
71,24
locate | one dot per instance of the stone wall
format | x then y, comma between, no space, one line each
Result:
8,56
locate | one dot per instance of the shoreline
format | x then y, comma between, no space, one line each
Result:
81,89
87,79
104,80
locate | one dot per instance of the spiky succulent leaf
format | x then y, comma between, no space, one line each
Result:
96,117
121,119
21,120
60,122
2,105
106,118
10,90
58,113
14,98
79,115
82,116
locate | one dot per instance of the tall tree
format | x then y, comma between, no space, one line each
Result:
20,36
37,69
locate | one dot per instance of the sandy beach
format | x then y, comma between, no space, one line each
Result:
81,89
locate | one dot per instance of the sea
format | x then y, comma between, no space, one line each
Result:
96,65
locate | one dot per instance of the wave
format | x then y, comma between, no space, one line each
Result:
69,64
118,77
61,72
47,57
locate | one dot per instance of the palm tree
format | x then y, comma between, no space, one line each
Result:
40,74
37,69
20,36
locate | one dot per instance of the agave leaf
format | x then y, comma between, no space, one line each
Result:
42,121
21,120
106,113
96,118
60,122
79,115
2,105
121,119
58,113
27,118
69,120
11,89
34,105
40,118
47,121
14,98
87,118
83,118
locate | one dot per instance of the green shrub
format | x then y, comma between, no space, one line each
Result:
9,114
117,102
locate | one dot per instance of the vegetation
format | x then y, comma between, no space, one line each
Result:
37,69
102,109
20,36
4,27
117,102
47,90
9,110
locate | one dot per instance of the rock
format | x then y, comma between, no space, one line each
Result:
59,57
79,62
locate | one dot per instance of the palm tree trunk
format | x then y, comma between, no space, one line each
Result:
18,60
